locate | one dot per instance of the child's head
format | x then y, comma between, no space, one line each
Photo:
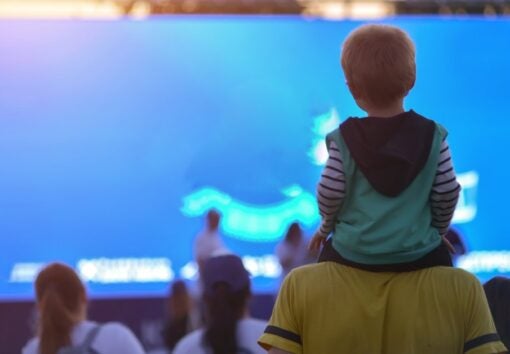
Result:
379,65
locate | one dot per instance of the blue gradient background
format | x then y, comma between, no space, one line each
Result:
106,126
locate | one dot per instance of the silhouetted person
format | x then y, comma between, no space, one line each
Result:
229,328
182,315
497,291
209,243
292,251
62,306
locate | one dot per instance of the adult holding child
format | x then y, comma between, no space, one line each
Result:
387,195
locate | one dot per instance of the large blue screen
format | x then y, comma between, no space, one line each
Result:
117,137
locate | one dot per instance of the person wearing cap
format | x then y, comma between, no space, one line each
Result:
229,328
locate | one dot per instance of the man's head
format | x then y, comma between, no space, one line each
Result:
294,234
379,65
213,220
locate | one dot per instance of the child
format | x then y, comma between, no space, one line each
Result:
388,191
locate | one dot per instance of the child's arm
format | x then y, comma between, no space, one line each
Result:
330,194
445,192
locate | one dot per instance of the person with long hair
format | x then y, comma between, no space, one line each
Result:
229,328
497,291
62,318
182,315
292,251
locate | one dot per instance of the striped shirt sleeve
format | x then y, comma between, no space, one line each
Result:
331,190
445,191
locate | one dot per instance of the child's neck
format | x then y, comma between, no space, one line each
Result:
387,111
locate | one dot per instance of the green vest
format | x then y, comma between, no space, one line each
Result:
375,229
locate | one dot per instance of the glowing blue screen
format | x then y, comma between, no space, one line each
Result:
117,137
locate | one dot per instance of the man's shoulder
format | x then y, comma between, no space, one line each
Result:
320,272
454,281
452,274
308,269
200,236
314,272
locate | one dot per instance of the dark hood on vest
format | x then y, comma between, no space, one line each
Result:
391,151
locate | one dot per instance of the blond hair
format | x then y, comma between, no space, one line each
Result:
379,63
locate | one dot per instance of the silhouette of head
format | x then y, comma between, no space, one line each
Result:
213,220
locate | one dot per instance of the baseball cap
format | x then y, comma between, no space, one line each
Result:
228,269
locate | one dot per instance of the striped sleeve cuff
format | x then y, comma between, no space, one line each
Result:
276,337
486,344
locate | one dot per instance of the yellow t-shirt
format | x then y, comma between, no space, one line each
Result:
329,308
